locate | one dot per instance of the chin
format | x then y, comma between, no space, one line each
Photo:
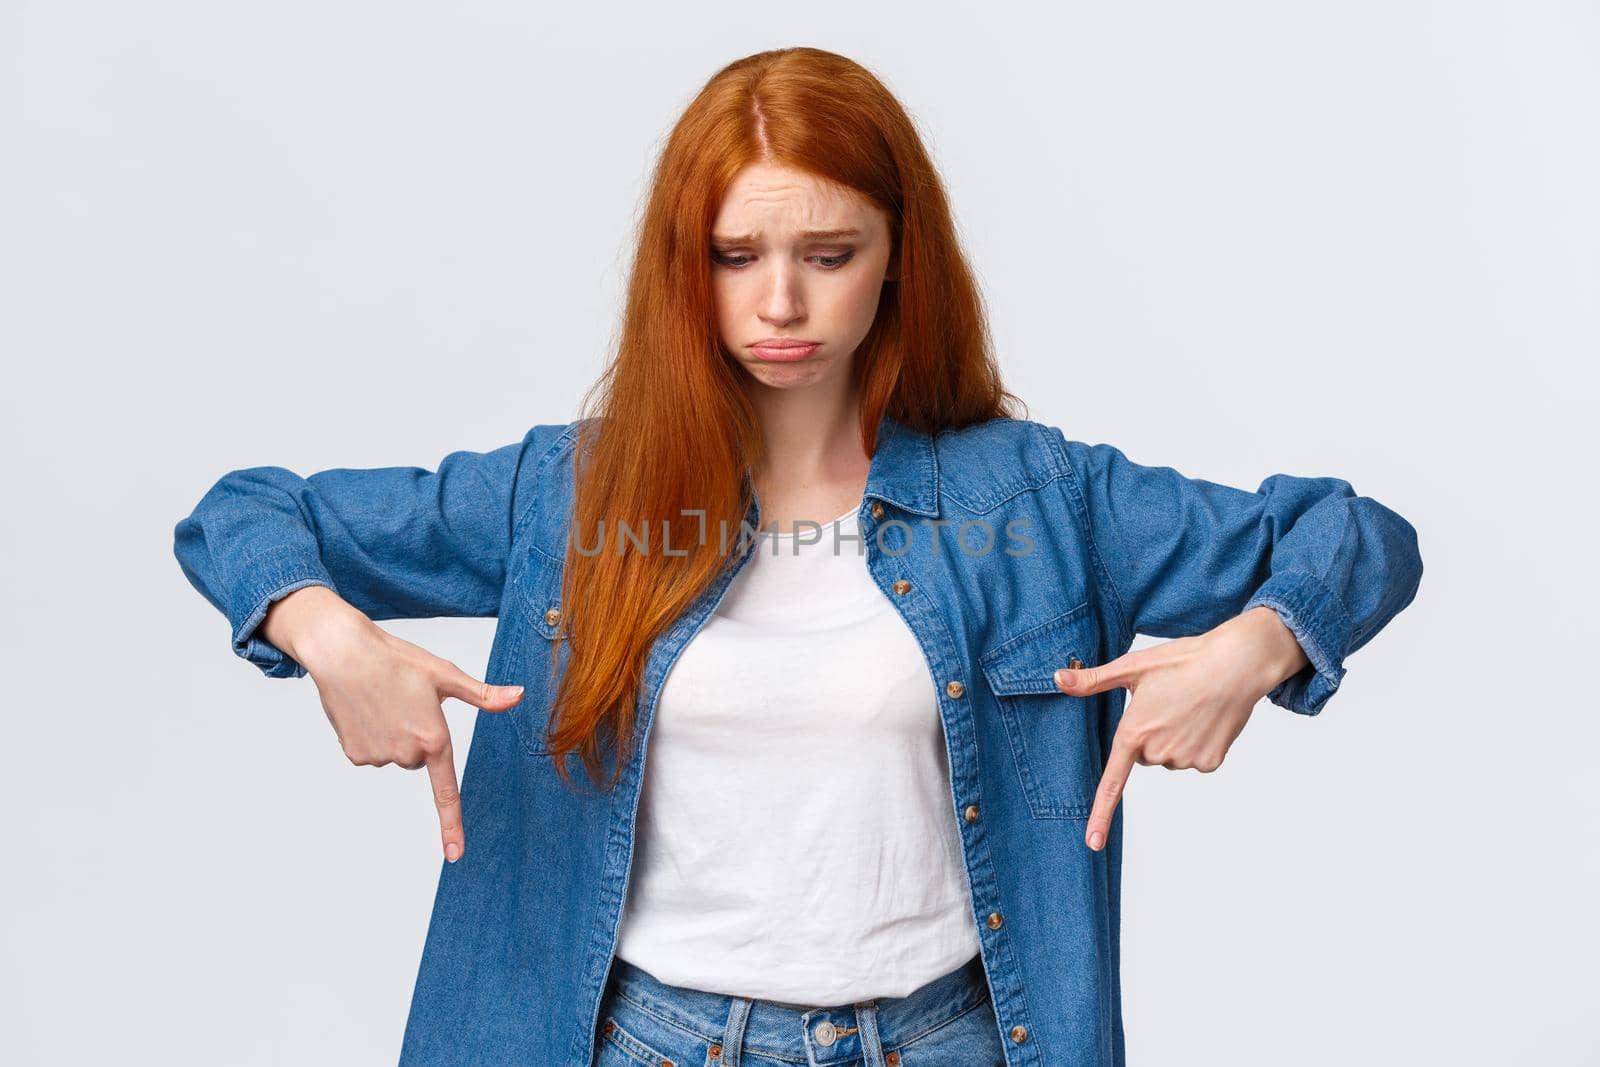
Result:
787,375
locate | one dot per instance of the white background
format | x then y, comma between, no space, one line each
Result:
1356,240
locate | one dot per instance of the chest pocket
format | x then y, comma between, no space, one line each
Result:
1054,737
538,598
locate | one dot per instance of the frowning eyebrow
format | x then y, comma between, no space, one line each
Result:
805,235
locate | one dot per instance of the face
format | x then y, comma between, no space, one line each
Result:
796,258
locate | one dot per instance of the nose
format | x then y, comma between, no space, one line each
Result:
782,302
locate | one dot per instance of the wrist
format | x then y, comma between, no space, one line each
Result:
1280,654
298,624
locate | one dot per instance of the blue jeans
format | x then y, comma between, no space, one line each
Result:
644,1022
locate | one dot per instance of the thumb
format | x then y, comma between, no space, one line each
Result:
464,687
1082,681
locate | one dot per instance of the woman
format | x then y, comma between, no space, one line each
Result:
876,822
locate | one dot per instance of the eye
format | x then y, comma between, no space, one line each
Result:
734,261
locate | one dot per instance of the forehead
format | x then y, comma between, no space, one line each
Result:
771,199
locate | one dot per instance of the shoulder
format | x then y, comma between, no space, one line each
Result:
550,439
988,462
543,470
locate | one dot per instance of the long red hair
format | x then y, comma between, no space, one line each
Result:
687,431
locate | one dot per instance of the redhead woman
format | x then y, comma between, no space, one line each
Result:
811,699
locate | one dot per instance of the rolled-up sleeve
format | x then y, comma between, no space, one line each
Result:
1182,555
395,542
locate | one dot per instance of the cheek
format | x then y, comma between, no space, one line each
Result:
727,302
860,301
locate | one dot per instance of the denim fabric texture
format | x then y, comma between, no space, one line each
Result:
949,1021
1085,549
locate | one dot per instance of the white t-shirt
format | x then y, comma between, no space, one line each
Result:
796,840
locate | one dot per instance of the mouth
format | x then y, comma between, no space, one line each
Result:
776,351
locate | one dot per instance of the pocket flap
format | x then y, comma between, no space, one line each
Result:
1028,662
540,586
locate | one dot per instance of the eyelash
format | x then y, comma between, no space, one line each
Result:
723,258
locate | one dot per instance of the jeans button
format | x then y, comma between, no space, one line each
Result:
826,1033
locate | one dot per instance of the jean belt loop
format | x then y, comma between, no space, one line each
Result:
733,1033
871,1043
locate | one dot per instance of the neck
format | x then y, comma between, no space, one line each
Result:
810,440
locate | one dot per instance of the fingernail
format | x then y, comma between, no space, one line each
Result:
1066,677
1095,840
516,690
452,852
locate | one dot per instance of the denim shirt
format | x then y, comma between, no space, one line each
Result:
1008,549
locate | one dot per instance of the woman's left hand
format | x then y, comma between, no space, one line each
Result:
1188,699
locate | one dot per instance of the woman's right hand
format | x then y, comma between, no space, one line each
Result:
383,694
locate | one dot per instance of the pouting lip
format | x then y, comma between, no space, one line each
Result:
782,342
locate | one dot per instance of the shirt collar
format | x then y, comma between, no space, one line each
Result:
904,469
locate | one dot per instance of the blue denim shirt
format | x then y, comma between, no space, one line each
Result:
1008,549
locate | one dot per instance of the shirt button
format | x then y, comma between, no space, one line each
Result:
971,814
877,510
552,617
826,1033
902,587
1019,1034
995,920
955,689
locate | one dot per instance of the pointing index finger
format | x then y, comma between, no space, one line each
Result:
1109,793
447,798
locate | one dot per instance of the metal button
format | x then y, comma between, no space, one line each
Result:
1074,664
552,617
826,1033
1019,1034
716,1050
995,920
877,510
955,689
892,1059
971,814
902,587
